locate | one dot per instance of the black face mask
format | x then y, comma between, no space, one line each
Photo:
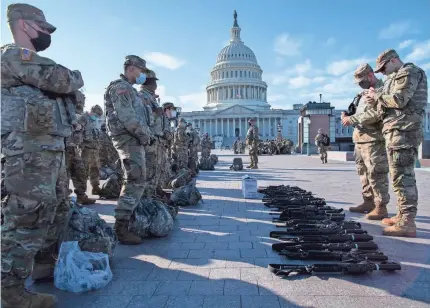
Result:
42,41
364,84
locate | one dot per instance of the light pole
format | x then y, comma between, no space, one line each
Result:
309,137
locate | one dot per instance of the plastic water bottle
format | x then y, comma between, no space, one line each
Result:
74,199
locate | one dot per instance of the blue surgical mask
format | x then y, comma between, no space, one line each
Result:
141,79
94,117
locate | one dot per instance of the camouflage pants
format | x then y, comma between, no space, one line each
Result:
91,160
108,155
151,169
402,148
253,155
322,151
181,157
76,170
165,166
133,163
372,167
206,152
35,212
193,160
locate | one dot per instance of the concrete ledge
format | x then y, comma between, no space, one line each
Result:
425,163
341,155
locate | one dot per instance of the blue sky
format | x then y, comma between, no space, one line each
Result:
304,47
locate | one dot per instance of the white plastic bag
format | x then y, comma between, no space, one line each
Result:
80,271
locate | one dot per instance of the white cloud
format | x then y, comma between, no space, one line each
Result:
160,59
299,82
302,68
330,41
395,30
426,66
405,44
276,98
192,101
285,45
161,91
279,61
343,66
419,52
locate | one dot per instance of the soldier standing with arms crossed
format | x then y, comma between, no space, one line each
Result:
252,141
130,134
180,145
370,154
400,104
35,121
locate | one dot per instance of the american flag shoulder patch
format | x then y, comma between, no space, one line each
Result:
25,55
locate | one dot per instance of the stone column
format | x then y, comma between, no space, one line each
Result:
222,126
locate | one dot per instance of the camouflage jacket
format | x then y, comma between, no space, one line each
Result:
76,139
367,132
91,132
180,138
34,113
401,102
126,116
252,136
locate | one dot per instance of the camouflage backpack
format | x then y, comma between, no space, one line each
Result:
214,159
186,195
206,163
237,164
91,231
151,218
111,189
181,178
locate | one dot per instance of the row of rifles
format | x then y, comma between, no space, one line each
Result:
311,230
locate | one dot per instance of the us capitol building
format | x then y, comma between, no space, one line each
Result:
237,92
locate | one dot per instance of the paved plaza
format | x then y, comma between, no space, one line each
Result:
218,252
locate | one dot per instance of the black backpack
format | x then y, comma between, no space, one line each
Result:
326,140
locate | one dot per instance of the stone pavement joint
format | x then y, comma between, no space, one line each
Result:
218,252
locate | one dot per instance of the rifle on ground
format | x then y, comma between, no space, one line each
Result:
292,222
339,268
346,247
321,239
356,256
316,231
343,224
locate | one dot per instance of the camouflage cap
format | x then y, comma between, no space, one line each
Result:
168,105
97,109
28,12
182,120
384,57
151,75
362,71
135,61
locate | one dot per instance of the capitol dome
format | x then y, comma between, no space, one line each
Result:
236,78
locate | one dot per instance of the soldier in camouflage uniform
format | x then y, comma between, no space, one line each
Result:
206,145
128,128
76,169
108,154
370,154
322,148
193,149
149,99
166,143
33,126
400,104
91,146
180,145
252,142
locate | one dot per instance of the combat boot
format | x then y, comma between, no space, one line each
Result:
254,166
43,271
250,166
84,199
379,212
405,226
19,297
124,235
96,190
367,206
392,220
325,160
